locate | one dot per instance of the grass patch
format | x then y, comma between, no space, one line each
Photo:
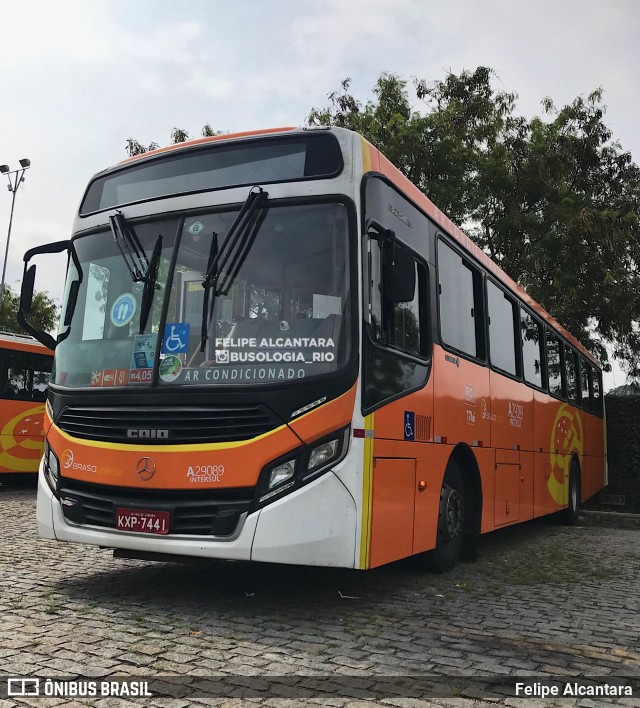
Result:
552,558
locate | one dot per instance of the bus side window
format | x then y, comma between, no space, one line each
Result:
586,385
40,385
502,340
408,330
460,303
573,393
554,366
375,291
398,324
25,376
596,380
531,349
16,382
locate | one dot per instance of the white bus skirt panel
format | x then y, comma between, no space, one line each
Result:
316,525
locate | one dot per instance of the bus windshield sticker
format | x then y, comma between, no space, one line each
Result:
144,350
123,310
176,338
195,228
109,377
140,376
170,368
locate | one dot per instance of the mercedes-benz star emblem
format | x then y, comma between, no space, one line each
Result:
146,468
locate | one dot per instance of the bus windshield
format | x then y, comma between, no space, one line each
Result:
285,317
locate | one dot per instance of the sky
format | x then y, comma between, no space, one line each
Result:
80,77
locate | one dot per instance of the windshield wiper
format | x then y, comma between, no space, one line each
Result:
130,247
213,253
150,284
225,263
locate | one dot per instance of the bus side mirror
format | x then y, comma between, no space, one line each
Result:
27,289
403,275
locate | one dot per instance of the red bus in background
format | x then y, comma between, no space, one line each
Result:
25,368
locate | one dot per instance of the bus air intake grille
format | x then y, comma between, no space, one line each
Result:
164,425
422,428
214,512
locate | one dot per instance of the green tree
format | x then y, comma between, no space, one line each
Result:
553,200
44,312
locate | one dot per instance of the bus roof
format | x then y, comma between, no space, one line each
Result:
23,342
211,139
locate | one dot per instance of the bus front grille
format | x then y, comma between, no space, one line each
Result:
214,512
164,425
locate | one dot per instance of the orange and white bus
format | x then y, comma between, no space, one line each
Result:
275,348
25,367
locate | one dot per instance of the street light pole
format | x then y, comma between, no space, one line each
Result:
18,178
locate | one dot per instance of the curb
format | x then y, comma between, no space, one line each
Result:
610,518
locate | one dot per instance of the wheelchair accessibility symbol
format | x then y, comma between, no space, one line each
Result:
176,338
409,425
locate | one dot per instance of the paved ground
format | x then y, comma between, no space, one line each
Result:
541,599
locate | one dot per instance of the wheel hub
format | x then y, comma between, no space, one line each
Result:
453,513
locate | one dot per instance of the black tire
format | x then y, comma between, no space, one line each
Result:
451,520
571,513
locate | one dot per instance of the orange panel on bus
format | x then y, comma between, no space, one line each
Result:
392,510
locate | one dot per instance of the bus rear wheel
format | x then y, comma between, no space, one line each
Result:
571,513
451,520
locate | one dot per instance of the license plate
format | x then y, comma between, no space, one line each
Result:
142,521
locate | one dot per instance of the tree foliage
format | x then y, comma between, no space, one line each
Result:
552,199
44,312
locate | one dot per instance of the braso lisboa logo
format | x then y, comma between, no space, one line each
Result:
69,463
67,459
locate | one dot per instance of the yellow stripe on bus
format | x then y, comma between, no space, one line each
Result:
367,488
366,156
197,447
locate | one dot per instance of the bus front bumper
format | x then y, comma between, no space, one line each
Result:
316,525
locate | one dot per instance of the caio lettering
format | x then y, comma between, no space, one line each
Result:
147,433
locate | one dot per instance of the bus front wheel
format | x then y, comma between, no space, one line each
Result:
451,520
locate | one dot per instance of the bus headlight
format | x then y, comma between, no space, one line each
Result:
281,473
323,454
302,466
51,467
